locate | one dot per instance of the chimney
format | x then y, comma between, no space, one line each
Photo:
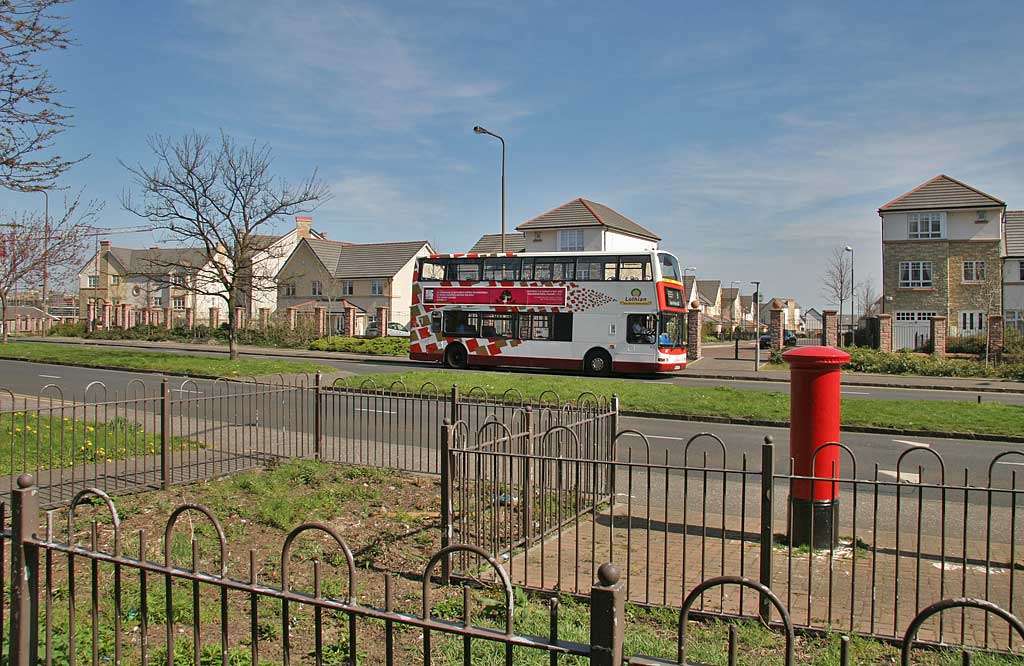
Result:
324,234
104,243
303,224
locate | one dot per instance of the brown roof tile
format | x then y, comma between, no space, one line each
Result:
491,243
584,213
941,192
364,260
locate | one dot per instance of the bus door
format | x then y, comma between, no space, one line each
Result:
641,340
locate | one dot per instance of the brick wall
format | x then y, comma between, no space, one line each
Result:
939,336
693,332
995,338
775,328
830,328
885,332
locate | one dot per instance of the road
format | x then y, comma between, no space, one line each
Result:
23,377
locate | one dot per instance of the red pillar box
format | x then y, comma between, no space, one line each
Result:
814,421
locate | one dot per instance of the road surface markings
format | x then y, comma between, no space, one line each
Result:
1009,462
911,443
376,411
856,393
907,477
677,439
49,376
178,390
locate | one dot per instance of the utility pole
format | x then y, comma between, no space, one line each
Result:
757,325
46,249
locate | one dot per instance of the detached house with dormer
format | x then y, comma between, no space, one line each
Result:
942,257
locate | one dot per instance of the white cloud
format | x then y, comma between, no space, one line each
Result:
318,60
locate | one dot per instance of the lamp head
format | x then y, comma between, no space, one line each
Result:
849,249
480,130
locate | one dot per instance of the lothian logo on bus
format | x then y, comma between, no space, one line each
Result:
635,297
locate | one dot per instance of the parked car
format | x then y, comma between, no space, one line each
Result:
788,339
395,330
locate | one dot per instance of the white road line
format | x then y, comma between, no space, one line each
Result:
677,439
855,393
187,391
1009,462
49,376
911,443
908,477
376,411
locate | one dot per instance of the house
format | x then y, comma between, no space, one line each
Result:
582,225
941,256
747,311
709,293
813,321
491,243
690,290
791,313
351,280
730,306
147,279
268,258
1013,269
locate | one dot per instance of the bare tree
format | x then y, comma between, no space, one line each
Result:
867,294
31,115
837,283
219,196
28,247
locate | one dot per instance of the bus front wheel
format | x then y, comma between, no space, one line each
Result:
597,363
456,356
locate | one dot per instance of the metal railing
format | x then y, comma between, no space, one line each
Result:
111,601
162,433
903,538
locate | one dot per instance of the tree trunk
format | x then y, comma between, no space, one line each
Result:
3,316
232,333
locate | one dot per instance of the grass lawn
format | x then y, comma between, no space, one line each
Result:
31,441
946,416
172,364
390,521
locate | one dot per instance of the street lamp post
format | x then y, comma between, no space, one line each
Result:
757,325
481,130
853,291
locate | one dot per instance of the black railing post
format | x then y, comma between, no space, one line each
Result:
318,419
611,448
607,617
737,352
165,434
446,497
453,407
24,636
767,515
527,478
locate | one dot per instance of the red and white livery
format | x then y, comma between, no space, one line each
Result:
595,312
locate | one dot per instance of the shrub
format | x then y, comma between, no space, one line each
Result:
967,344
73,330
380,346
909,363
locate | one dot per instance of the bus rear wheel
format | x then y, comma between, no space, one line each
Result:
597,363
456,356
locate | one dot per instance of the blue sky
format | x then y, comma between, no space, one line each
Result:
752,139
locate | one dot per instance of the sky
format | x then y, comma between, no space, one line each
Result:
752,139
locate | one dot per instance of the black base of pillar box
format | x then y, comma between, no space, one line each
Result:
821,518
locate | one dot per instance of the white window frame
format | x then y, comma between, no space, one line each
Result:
377,287
935,222
178,302
570,240
347,288
316,288
158,301
94,280
115,279
912,315
918,282
289,289
974,270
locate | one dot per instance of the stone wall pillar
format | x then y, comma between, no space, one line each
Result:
320,313
694,325
350,321
190,318
106,315
168,317
776,327
885,332
125,316
383,319
264,318
214,317
90,316
995,338
830,328
291,318
939,336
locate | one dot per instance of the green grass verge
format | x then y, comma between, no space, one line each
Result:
945,416
49,440
172,364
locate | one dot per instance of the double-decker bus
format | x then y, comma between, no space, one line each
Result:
595,312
